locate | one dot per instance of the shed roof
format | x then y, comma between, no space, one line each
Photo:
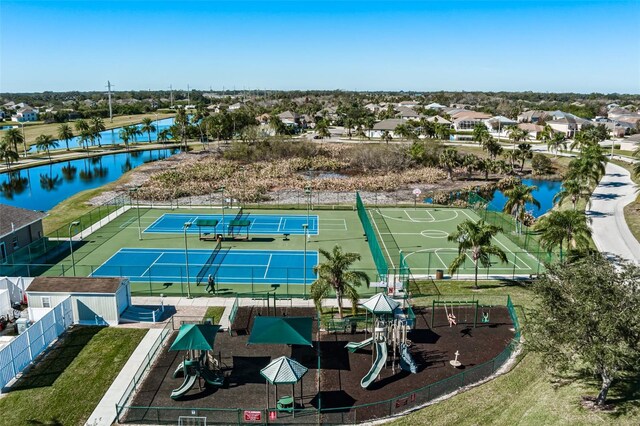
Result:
17,216
74,285
281,330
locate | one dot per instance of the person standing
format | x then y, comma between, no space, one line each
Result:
211,285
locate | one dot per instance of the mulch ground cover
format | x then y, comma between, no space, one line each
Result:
431,347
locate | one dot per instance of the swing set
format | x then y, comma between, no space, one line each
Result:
457,312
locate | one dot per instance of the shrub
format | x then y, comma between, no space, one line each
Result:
541,165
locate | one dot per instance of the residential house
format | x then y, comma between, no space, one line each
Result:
18,228
532,116
388,125
569,124
466,120
435,105
438,119
499,125
533,130
25,115
407,113
289,118
374,108
408,104
235,106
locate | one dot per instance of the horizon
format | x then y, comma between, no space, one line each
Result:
351,46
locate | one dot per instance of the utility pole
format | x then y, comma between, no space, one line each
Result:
109,94
188,95
171,95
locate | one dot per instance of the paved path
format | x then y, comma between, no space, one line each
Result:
610,231
105,412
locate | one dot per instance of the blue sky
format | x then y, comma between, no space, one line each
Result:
558,46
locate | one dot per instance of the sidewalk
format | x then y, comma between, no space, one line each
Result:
610,231
105,413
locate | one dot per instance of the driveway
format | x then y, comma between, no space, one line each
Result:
610,231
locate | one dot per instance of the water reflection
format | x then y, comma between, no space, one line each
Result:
59,181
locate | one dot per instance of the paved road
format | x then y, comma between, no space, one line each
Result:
610,231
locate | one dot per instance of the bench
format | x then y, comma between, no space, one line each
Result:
286,237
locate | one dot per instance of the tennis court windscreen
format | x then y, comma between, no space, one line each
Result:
374,246
209,263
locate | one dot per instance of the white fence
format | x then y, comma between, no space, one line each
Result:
16,356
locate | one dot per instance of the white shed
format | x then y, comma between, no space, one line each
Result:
5,304
93,300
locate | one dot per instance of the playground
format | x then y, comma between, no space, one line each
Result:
361,376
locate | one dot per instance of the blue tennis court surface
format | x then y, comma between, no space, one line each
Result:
265,224
228,267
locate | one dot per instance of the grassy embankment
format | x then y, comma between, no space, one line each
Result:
66,386
632,211
527,395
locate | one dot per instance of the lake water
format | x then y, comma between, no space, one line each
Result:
111,136
547,189
42,187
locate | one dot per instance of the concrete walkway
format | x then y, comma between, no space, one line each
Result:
105,412
610,231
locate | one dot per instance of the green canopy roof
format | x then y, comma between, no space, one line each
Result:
195,337
207,222
281,330
283,370
240,222
380,304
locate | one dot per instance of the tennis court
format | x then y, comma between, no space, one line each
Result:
227,266
261,224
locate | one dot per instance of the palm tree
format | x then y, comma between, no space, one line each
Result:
449,159
492,147
8,154
133,132
45,143
65,133
486,166
474,240
480,133
555,142
334,274
124,135
85,137
470,163
516,135
517,199
97,126
13,137
561,226
524,153
322,129
636,167
164,135
589,165
147,127
574,189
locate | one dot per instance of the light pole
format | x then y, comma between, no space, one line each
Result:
244,185
307,191
187,225
222,191
304,256
24,140
131,192
157,127
73,261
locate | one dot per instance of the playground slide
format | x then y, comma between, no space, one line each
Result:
354,346
188,383
406,360
381,359
212,378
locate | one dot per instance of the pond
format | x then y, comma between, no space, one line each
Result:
111,136
42,187
547,189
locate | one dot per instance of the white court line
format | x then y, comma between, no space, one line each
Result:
433,219
150,266
280,224
266,271
381,239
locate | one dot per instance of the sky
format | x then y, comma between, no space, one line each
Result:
558,46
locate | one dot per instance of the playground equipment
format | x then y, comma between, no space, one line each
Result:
392,325
457,312
455,361
192,338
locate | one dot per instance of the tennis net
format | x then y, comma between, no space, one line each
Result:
230,227
209,263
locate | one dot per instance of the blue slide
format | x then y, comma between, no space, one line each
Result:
381,359
406,361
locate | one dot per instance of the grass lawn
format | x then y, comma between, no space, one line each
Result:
526,395
66,386
632,211
31,132
214,312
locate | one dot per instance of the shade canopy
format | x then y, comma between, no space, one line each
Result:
283,370
195,337
281,330
380,304
207,222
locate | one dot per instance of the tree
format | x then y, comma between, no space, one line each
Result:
164,135
386,136
573,189
480,133
97,126
334,274
322,129
45,143
125,136
586,322
561,226
555,142
65,133
524,153
492,147
405,131
475,240
516,135
517,199
636,167
147,127
13,137
8,154
449,159
589,166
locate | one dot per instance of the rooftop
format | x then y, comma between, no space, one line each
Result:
74,285
14,218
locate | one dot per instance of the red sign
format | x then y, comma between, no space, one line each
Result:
252,416
273,415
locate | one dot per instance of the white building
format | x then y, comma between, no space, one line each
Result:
24,115
388,125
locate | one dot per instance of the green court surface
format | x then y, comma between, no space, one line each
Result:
422,234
